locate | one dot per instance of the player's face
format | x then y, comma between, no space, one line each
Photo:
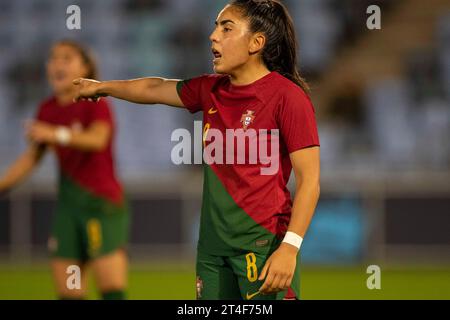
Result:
230,41
64,65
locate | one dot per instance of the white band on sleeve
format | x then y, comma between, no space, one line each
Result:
63,136
293,239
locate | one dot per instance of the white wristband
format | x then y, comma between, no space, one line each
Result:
293,239
63,136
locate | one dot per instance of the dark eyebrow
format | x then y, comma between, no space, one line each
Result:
224,22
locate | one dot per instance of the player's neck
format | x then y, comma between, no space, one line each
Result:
248,75
65,98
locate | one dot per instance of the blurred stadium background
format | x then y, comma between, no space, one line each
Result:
383,107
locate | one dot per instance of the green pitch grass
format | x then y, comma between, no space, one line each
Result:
175,282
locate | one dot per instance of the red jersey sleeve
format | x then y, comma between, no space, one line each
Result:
193,92
297,122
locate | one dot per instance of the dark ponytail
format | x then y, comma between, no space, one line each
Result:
280,52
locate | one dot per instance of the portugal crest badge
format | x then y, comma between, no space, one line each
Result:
247,119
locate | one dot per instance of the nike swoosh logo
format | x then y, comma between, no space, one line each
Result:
212,111
251,296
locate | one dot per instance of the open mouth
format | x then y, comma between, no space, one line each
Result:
217,55
59,75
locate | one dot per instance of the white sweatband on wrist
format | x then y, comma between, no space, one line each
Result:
63,136
293,239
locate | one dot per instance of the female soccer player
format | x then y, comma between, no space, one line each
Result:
251,231
91,222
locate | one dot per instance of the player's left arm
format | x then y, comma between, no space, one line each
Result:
279,268
95,138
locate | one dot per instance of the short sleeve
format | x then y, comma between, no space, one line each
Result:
100,111
297,122
193,92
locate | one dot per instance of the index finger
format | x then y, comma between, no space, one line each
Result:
267,283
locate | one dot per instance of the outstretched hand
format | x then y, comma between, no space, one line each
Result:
87,89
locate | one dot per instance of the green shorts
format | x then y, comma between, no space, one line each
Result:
87,232
236,277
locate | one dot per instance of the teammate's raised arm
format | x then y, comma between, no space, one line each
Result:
142,91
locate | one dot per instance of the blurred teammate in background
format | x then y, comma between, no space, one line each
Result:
90,227
251,231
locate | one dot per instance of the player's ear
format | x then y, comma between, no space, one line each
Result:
257,43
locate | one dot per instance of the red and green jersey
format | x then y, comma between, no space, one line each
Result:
92,173
242,208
